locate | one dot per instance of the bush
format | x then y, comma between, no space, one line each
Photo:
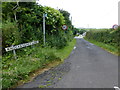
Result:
82,31
16,70
107,36
57,42
60,39
10,34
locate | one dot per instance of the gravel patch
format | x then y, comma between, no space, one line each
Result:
49,78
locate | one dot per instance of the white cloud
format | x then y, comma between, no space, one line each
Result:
92,13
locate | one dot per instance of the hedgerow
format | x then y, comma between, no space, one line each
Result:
106,36
26,27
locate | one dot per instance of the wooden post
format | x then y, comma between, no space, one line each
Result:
14,53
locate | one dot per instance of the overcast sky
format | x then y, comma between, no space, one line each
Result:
88,13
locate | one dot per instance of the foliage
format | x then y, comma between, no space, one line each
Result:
15,70
106,36
24,24
106,47
61,41
66,15
82,31
10,34
33,59
29,23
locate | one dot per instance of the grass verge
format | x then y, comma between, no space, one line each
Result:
104,46
65,52
31,62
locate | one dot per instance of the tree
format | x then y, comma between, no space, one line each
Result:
66,15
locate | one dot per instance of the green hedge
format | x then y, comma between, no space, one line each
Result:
107,36
29,25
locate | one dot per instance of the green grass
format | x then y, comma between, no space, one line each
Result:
0,72
29,60
104,46
65,52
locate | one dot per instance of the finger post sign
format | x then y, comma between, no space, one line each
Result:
64,27
12,48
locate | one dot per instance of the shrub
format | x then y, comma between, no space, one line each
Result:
106,36
10,34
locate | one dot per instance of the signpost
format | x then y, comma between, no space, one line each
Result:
20,46
44,15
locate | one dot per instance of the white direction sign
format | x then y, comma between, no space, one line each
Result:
21,46
64,27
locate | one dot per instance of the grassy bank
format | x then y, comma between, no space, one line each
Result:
29,61
107,47
107,39
65,52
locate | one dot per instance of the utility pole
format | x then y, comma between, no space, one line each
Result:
44,15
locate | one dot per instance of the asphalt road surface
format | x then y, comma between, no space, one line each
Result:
88,66
91,67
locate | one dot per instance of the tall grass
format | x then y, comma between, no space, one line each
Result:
32,59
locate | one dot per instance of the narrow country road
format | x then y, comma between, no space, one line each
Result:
92,67
88,66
